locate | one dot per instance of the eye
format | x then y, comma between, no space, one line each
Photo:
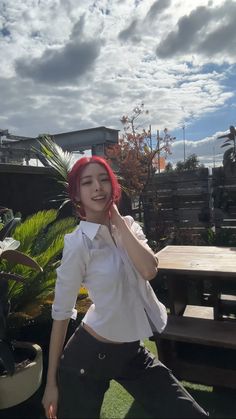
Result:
105,179
86,183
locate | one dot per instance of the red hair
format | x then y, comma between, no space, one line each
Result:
75,174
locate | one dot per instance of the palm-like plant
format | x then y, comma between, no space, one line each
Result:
27,272
41,236
9,253
230,154
61,161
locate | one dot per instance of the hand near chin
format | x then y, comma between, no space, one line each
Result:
115,216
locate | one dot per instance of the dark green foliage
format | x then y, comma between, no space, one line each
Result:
191,163
223,237
42,237
169,167
26,281
7,363
230,154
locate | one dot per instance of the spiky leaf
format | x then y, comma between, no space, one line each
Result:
30,229
62,161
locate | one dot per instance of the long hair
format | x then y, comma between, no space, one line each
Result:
74,177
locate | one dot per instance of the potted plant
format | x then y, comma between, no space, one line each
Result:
39,243
20,362
41,237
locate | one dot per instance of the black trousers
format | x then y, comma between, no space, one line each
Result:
87,366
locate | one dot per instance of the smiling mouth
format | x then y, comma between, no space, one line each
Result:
99,198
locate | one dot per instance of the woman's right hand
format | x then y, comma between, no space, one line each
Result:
50,401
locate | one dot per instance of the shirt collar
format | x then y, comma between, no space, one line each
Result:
90,229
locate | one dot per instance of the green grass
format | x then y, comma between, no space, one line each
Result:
118,404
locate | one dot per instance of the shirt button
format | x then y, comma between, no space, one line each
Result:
82,371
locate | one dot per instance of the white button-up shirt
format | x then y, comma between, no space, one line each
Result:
125,307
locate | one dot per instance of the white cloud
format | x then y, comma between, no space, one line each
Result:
208,150
73,65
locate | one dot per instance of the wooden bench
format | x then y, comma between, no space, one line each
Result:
188,346
200,312
200,331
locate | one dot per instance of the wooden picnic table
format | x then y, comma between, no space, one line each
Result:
179,265
198,261
197,327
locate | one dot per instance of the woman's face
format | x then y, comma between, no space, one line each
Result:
95,190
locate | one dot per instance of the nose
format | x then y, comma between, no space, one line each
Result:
98,185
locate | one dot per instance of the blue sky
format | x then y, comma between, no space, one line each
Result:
68,65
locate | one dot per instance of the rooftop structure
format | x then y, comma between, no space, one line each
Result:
14,149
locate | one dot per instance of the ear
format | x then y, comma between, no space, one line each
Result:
77,198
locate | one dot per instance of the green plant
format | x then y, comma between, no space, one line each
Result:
61,161
169,168
7,221
220,237
230,153
191,163
9,253
41,236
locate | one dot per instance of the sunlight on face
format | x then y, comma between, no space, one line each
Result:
95,190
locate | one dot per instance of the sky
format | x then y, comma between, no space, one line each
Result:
68,65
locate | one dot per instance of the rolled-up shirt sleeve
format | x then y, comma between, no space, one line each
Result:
138,232
70,275
136,229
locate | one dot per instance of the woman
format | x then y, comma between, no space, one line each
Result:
109,254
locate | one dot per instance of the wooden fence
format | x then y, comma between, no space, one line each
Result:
181,205
184,205
27,189
224,197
